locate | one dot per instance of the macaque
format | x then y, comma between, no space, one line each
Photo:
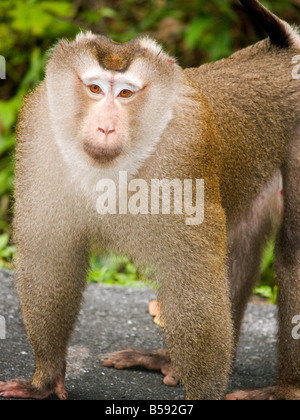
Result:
106,108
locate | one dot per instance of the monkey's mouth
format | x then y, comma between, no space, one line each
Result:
102,155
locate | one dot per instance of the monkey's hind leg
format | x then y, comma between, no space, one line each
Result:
287,386
288,278
246,243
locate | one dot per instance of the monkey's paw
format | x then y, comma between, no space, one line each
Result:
271,393
151,360
22,389
259,394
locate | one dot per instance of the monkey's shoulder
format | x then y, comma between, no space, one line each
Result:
32,115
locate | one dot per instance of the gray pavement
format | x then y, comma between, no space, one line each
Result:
115,318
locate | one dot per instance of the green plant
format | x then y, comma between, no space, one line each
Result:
267,287
7,252
115,270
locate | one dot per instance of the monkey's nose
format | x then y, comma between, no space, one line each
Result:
106,131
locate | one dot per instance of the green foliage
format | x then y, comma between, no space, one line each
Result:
267,287
6,252
195,31
115,270
267,292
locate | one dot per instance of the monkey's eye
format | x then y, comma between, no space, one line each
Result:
125,93
95,89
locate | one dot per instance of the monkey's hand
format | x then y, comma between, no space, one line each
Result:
23,389
151,360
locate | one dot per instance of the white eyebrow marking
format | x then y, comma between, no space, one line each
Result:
107,81
104,84
118,87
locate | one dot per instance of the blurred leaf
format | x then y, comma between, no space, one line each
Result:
221,47
6,143
264,291
107,12
225,8
8,252
35,17
114,270
4,239
94,17
8,113
61,8
268,256
196,31
267,292
267,287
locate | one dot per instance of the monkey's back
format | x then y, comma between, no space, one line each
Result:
252,102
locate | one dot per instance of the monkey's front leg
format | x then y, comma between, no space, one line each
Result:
196,310
50,280
198,330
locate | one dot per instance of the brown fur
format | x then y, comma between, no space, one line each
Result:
234,124
116,57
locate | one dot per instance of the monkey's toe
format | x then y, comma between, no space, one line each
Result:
170,379
23,389
150,360
60,391
259,394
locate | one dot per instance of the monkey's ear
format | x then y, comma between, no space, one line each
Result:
62,45
156,49
58,48
169,60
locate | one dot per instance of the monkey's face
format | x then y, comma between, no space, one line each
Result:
110,103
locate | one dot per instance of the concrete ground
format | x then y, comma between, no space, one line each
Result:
116,318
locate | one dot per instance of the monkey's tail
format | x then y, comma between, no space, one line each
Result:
281,33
